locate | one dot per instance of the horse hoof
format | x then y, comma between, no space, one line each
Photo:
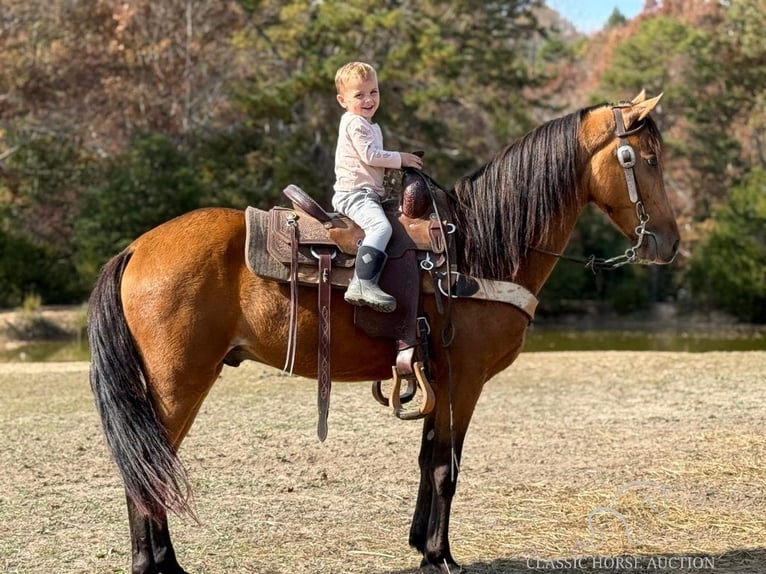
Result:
445,567
172,569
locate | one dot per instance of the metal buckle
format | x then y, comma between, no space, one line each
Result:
626,155
318,255
424,327
441,289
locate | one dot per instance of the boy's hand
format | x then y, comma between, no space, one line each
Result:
411,160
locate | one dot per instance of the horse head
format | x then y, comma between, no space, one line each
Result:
622,175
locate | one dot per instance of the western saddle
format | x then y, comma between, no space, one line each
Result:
314,247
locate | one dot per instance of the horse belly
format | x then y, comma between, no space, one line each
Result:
266,315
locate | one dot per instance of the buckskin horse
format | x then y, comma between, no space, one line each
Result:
168,312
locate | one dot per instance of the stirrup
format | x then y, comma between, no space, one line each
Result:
404,397
427,402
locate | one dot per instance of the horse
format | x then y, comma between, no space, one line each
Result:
169,311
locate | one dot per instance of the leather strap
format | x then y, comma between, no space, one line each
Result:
292,323
405,357
323,358
625,153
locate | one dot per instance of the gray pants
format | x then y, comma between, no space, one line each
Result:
364,208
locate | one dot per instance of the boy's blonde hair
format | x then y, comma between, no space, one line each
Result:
360,70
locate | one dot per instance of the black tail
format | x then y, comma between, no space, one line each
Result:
153,476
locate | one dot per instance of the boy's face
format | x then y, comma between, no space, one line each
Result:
360,97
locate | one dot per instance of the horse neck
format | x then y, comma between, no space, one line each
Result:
538,266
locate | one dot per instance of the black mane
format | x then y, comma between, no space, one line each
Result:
508,204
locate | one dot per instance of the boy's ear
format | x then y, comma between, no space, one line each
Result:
340,101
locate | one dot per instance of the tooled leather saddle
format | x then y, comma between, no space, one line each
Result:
306,245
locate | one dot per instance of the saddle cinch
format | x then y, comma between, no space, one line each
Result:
305,245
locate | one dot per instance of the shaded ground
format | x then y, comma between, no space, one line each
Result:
663,452
20,326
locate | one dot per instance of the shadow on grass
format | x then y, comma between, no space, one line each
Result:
32,327
746,561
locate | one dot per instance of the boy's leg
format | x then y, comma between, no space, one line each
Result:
365,209
364,289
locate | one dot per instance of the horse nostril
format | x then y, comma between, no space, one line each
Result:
675,246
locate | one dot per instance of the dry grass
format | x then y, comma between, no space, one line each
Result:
663,451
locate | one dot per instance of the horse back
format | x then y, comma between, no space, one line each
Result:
210,231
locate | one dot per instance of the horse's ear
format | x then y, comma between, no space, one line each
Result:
638,111
639,98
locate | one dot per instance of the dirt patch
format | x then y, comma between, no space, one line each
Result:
613,462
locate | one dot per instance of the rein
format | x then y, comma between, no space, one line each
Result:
626,155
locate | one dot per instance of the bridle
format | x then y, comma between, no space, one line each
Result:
626,155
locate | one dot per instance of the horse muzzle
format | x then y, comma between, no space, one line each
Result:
658,248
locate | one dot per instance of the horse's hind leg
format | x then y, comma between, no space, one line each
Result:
181,364
151,549
162,548
141,553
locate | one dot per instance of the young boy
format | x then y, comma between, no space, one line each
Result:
360,164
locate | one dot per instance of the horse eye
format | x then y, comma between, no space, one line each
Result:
652,160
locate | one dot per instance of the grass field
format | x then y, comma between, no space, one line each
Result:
613,462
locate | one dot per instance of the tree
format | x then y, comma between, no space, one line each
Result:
615,20
146,185
729,271
41,182
654,59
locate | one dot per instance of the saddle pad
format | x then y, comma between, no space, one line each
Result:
259,260
257,257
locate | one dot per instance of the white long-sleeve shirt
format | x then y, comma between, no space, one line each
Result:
360,160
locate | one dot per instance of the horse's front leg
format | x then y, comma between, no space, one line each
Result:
443,477
419,527
152,550
442,444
